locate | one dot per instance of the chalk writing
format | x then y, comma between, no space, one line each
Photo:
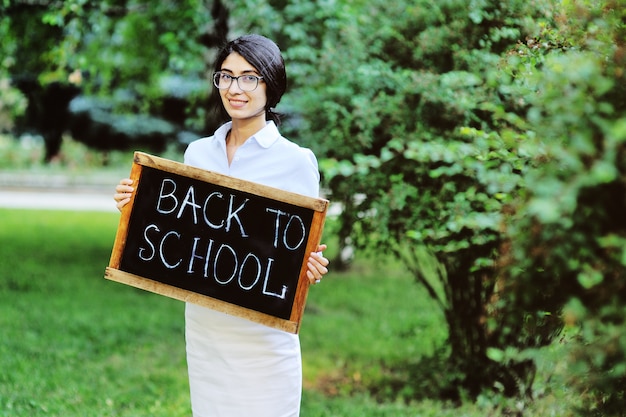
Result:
227,244
224,243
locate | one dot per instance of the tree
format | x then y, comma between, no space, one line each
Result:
47,108
421,137
568,233
134,57
453,132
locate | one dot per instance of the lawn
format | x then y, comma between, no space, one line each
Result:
75,344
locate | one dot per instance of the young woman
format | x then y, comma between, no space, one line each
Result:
236,367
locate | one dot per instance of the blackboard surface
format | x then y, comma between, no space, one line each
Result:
228,244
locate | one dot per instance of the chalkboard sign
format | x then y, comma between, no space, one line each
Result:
228,244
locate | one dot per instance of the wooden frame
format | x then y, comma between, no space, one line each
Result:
115,271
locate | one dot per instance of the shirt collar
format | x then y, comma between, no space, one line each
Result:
268,135
264,137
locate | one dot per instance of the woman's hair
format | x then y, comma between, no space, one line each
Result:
265,56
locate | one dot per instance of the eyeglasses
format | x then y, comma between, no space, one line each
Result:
246,82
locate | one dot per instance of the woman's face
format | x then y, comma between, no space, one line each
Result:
241,104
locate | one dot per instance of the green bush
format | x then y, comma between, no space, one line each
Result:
568,235
491,140
420,144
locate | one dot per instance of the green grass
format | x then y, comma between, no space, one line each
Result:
72,342
75,344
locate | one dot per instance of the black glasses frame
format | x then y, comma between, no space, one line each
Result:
221,75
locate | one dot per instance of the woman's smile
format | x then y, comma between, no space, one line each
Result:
237,102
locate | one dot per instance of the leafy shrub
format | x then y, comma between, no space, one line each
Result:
569,232
420,137
491,140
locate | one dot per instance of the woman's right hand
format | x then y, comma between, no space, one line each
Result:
123,192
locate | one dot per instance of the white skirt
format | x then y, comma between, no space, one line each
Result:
238,368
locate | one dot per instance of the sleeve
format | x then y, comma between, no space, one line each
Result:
310,176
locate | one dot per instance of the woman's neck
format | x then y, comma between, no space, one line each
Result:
242,130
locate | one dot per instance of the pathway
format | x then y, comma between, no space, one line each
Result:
23,190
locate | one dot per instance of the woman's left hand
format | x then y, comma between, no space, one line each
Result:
317,265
